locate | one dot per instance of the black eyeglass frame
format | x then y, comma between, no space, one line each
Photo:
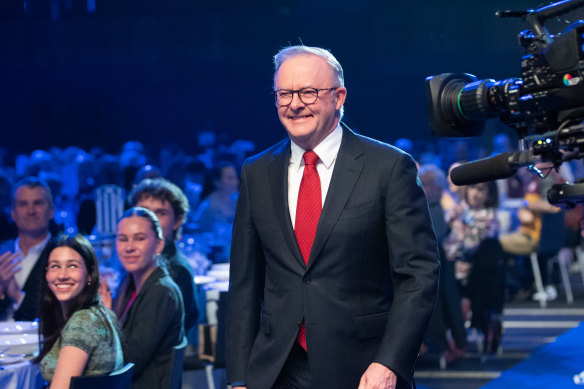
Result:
297,91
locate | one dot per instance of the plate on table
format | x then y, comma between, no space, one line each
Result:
19,327
9,359
222,275
220,266
202,280
17,344
222,286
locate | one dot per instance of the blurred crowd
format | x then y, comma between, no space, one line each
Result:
487,232
208,179
498,241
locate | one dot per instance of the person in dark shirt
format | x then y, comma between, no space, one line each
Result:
22,261
171,206
153,315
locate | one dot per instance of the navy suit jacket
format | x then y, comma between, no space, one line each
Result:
370,285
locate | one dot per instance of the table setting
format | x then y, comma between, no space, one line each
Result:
19,344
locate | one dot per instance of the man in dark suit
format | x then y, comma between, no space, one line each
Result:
337,296
22,261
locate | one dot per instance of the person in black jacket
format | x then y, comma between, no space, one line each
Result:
152,315
171,207
22,261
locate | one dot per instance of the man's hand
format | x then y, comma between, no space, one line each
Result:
9,265
378,376
13,291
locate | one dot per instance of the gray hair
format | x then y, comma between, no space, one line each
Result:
33,183
293,51
433,181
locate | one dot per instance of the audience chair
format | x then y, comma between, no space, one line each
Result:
176,363
109,204
119,379
550,243
579,253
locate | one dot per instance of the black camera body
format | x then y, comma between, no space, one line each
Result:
545,106
549,92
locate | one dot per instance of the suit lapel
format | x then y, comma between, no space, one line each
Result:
278,176
348,167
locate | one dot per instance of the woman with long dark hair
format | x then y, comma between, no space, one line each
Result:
150,304
80,335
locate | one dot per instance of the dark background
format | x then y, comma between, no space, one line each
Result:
163,71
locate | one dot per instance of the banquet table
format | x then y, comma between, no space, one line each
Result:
20,375
18,345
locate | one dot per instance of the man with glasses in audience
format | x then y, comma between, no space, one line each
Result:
22,261
334,261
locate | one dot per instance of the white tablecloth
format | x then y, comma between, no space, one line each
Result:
21,375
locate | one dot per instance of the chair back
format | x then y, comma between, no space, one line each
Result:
176,362
119,379
552,234
219,361
109,205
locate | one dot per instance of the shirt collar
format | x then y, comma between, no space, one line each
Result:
326,150
36,249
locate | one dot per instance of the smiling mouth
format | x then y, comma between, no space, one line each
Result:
64,286
299,117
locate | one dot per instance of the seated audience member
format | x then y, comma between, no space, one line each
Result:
171,207
81,337
452,196
152,313
22,261
447,314
219,198
473,221
147,171
526,238
195,175
7,229
434,182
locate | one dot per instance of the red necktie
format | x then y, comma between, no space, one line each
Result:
308,211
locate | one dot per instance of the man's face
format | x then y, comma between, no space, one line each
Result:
163,209
308,125
32,211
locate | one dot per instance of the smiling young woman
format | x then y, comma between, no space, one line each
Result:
149,304
80,335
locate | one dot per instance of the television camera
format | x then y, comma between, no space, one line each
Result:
545,106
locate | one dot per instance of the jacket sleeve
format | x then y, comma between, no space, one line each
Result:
415,268
246,287
185,281
149,323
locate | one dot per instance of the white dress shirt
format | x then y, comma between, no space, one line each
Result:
327,151
28,262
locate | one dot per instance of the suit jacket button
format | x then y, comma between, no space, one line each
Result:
307,280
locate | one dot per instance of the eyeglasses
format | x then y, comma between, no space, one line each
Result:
306,95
